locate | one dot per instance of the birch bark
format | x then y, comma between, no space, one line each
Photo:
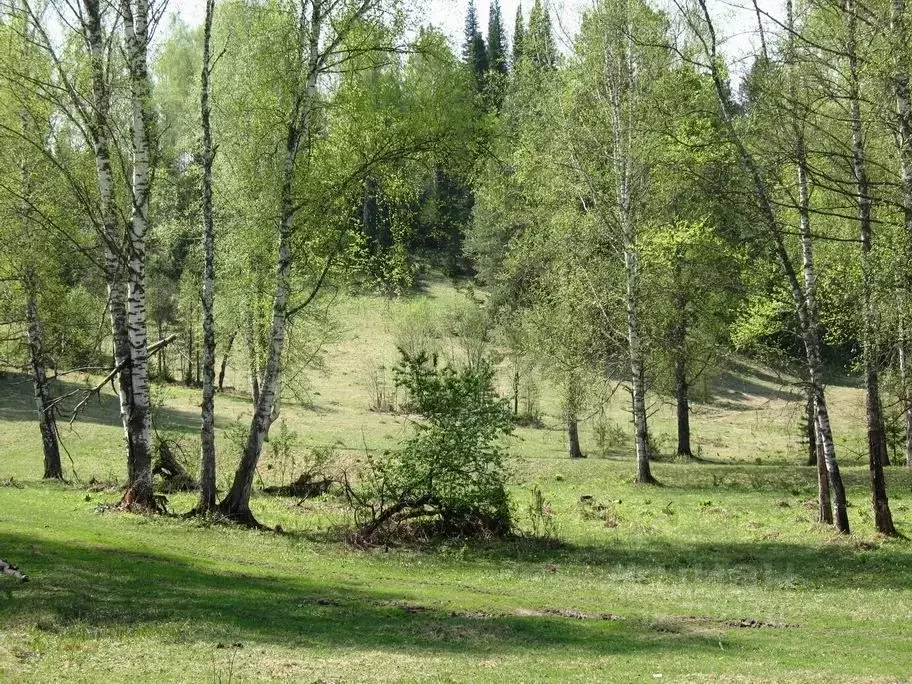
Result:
135,15
111,241
900,36
877,444
802,297
207,429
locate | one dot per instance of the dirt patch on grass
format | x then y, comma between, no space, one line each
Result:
696,623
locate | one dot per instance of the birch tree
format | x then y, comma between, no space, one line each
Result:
608,133
877,444
326,155
899,44
704,32
135,17
207,430
25,247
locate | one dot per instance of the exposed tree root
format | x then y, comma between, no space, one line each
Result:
141,500
244,518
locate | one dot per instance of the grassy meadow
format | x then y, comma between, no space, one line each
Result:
720,574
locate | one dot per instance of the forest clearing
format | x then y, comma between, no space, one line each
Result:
367,340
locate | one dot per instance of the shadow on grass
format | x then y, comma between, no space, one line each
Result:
737,383
781,565
84,586
785,480
18,403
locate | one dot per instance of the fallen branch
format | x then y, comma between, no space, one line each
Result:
12,571
93,391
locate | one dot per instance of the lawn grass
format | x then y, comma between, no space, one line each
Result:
671,580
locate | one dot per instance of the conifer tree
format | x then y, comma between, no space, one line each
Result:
474,52
519,31
539,42
497,43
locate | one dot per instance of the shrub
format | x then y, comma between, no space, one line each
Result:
379,389
417,329
541,515
608,435
450,474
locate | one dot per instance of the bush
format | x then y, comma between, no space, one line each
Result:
382,394
417,329
450,474
608,435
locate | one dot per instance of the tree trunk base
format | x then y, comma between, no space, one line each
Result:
244,518
647,480
143,501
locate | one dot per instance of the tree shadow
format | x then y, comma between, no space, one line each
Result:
81,585
18,403
748,563
794,480
737,383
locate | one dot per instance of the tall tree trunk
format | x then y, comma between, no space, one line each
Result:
236,503
515,392
877,443
571,420
824,504
622,138
810,324
53,468
810,423
682,386
643,471
207,429
573,443
110,237
905,392
682,399
900,42
802,297
136,37
225,356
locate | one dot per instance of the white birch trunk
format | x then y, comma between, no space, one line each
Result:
806,303
877,444
135,20
111,241
900,36
805,307
622,124
236,503
207,429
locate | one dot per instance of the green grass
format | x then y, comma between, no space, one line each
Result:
660,589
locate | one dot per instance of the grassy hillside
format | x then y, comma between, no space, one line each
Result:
719,575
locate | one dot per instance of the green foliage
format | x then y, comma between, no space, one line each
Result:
538,43
474,51
541,515
452,470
